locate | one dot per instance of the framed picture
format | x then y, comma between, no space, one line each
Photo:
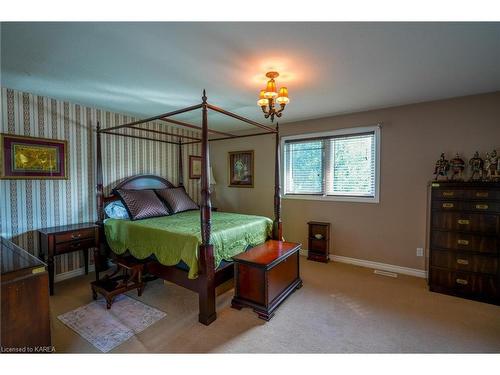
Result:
194,166
33,158
241,169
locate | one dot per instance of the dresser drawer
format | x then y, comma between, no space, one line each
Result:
475,206
464,262
465,284
74,245
75,235
464,242
449,194
483,194
282,276
467,222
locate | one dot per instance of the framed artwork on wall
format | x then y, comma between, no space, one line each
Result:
194,167
241,169
33,158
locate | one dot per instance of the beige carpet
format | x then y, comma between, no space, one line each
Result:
340,309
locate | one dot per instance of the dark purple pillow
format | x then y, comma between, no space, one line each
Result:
177,199
142,204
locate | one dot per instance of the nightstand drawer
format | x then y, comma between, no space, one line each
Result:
75,235
74,245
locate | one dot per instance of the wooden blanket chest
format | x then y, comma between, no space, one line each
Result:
265,275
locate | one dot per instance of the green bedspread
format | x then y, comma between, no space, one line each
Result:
175,238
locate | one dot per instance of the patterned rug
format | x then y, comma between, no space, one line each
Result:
106,329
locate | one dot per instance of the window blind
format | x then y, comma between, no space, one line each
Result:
352,165
343,165
304,167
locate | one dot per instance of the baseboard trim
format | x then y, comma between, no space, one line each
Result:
74,273
375,265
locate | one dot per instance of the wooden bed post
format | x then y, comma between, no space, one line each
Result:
98,259
206,293
180,171
99,184
277,225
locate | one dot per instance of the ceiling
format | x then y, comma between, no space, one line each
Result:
146,69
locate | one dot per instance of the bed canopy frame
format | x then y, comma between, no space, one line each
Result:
209,278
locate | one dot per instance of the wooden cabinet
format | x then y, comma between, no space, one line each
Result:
465,240
265,275
25,301
318,248
64,239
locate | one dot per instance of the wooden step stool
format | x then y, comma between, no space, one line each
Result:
127,276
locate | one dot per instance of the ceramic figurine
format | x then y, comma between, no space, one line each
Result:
441,168
457,165
476,166
492,166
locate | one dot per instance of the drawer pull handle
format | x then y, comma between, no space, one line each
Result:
463,221
448,193
76,236
462,242
482,206
462,261
462,281
482,194
448,205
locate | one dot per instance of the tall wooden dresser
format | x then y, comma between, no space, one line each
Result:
465,240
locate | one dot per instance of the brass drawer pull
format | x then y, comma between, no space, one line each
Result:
462,261
463,221
448,193
462,281
482,206
462,242
482,194
448,205
75,236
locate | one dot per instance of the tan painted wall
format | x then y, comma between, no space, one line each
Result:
413,137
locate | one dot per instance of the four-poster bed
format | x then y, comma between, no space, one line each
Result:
209,277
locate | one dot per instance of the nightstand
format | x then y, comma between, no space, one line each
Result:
66,239
318,241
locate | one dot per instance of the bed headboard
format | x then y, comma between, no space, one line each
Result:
143,182
140,182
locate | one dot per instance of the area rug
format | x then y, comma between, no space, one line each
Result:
106,329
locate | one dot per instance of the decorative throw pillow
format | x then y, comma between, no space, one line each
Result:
177,199
142,204
116,210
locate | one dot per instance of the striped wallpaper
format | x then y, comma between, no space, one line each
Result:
26,205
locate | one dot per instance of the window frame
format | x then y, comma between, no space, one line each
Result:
332,133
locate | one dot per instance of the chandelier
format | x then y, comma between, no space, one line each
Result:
269,97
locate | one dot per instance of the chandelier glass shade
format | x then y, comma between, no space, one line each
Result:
269,97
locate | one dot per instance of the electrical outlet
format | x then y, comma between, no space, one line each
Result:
420,252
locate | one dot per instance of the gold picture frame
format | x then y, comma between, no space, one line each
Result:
241,169
33,158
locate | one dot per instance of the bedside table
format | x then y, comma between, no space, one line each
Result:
66,239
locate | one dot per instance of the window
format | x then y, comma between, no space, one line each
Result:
337,165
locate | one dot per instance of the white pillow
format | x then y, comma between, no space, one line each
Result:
116,210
